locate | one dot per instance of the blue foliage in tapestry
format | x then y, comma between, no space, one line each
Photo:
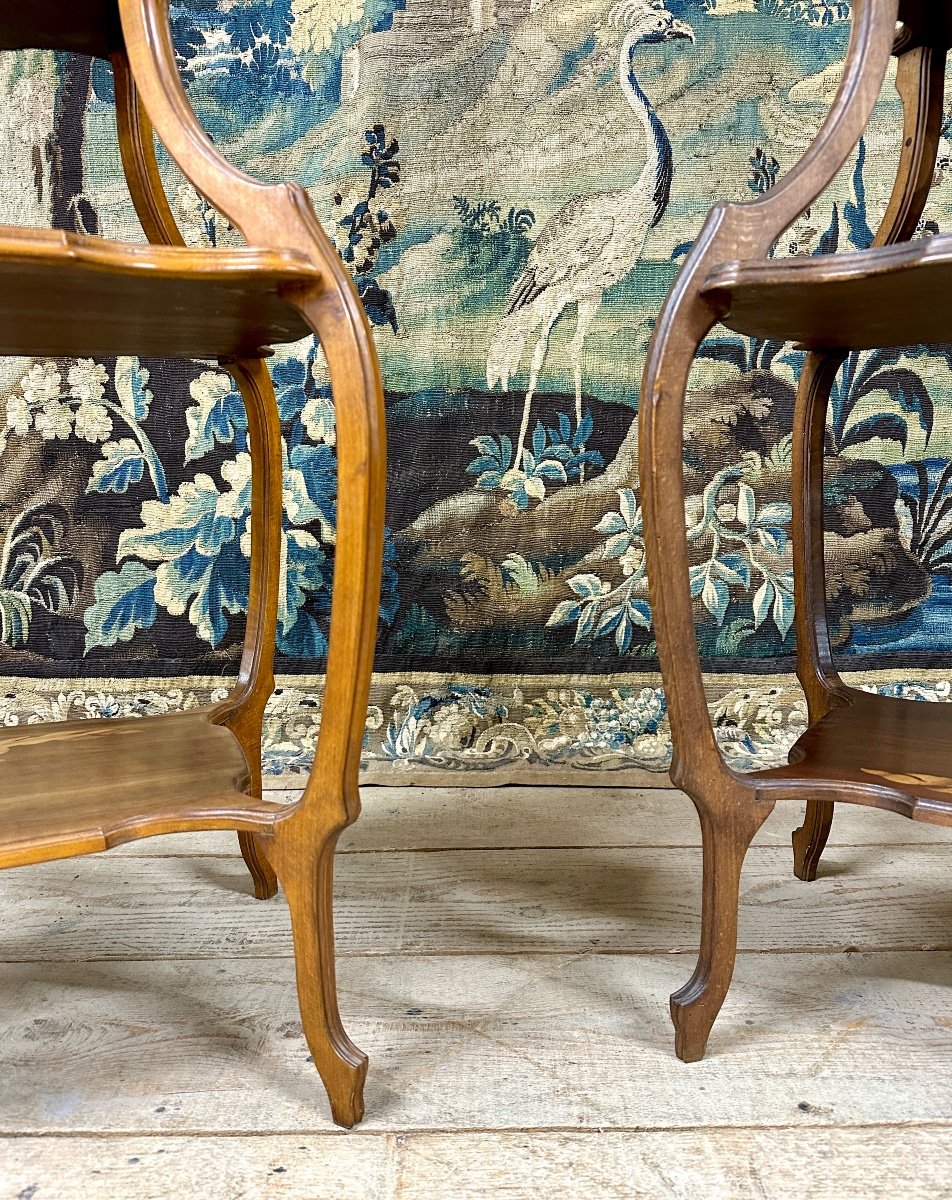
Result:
266,43
558,455
511,186
368,227
189,558
737,527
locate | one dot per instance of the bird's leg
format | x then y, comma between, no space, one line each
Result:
586,314
538,358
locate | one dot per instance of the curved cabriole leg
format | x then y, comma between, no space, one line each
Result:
306,874
243,711
726,836
816,668
302,844
262,874
810,839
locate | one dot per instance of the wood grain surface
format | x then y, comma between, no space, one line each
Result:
896,296
68,294
523,817
716,1164
72,295
513,1011
508,901
864,749
79,786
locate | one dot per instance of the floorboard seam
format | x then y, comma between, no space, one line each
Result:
591,951
366,1131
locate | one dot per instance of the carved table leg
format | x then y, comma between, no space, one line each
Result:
243,711
262,874
308,881
811,838
694,1007
816,668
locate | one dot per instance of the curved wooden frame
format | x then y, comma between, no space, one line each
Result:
732,807
292,843
299,842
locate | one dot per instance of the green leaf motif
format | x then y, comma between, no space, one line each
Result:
762,601
715,597
195,537
16,612
196,517
125,603
783,610
564,613
301,575
746,505
310,488
587,585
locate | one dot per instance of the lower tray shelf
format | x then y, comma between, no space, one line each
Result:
877,750
75,787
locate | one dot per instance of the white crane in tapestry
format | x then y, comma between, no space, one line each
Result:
592,242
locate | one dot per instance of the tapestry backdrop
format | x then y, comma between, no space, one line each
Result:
513,200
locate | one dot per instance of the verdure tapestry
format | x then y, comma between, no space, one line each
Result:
513,194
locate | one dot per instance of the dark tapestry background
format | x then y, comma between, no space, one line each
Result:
513,200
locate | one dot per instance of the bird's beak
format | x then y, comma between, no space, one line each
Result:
679,30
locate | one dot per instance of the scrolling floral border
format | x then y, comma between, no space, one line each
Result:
501,729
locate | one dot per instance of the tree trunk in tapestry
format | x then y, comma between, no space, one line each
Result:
46,559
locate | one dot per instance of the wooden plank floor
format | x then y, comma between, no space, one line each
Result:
505,959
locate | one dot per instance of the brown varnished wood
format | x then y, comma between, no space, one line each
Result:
815,666
301,845
69,294
78,786
816,669
920,82
244,710
890,295
80,26
894,297
876,750
80,295
137,151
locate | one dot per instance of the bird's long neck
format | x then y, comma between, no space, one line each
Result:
659,167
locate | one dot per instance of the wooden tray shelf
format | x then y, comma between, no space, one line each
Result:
79,786
890,296
71,295
860,748
900,748
83,786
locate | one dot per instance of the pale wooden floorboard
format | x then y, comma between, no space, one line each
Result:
829,1164
513,1002
721,1165
473,1042
641,899
198,1168
470,818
